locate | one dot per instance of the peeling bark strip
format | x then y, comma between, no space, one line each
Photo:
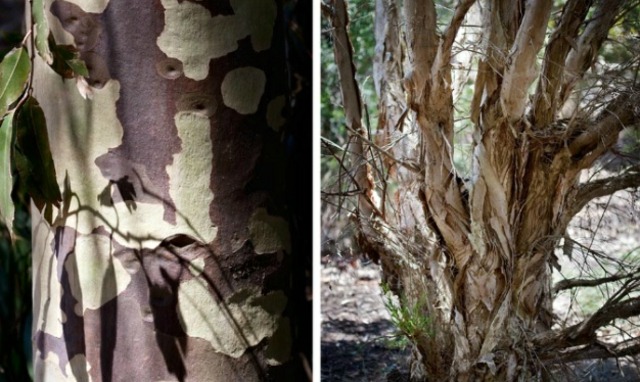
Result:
472,257
169,256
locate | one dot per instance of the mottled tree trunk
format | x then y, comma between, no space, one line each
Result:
168,258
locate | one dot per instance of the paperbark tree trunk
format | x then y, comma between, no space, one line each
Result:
472,257
168,258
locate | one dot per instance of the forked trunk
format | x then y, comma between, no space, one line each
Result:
470,256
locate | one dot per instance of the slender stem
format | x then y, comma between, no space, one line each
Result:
32,47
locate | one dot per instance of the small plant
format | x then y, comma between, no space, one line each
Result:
397,341
410,319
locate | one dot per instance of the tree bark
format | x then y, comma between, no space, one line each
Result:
168,258
475,260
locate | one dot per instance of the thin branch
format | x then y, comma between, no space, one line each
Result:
592,143
412,166
580,283
352,102
450,33
585,331
586,48
598,351
602,187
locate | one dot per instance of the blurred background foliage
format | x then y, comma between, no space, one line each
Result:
333,131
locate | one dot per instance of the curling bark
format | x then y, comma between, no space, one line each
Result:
474,255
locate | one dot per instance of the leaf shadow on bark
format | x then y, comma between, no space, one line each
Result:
163,269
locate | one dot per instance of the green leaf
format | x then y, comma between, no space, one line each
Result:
42,31
78,66
33,160
66,60
7,208
14,73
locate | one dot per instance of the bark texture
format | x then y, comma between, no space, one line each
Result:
169,256
474,255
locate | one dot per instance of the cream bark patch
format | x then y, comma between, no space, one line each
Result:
190,175
194,37
92,6
95,275
242,89
46,317
233,326
268,233
48,370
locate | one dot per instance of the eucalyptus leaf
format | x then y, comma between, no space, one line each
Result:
7,208
66,60
32,155
79,67
14,74
42,31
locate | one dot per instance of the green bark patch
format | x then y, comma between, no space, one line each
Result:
268,233
190,25
190,173
232,326
242,89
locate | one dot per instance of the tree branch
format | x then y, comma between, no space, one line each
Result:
592,143
546,96
422,44
602,187
598,351
580,283
449,35
586,48
585,331
352,103
521,73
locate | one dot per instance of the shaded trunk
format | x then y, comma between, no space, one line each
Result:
168,258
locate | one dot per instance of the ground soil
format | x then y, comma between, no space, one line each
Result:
358,340
360,343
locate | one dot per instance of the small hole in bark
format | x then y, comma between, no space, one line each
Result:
170,68
197,103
